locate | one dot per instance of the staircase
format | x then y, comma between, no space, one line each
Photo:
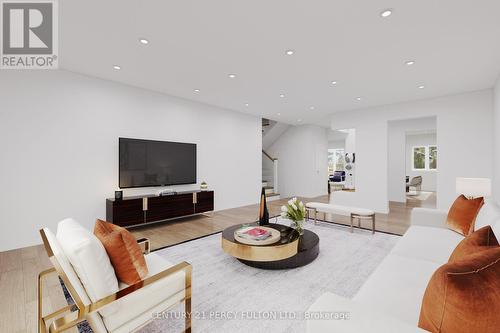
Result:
270,176
270,195
271,131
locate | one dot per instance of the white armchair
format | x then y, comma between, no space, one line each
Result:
80,260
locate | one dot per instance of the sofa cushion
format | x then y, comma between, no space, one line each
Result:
462,214
125,254
88,258
352,317
149,297
489,214
397,287
427,243
63,261
463,296
94,319
479,240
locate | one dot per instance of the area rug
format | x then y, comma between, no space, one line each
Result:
422,196
229,296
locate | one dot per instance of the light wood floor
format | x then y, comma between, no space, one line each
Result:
19,268
165,234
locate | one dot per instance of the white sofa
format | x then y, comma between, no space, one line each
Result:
390,299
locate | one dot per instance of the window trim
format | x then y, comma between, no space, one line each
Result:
333,150
426,158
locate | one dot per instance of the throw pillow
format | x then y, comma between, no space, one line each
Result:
462,215
463,296
479,240
125,254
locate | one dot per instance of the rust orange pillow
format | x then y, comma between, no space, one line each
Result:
479,240
462,215
464,296
125,254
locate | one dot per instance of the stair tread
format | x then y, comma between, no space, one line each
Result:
267,187
272,194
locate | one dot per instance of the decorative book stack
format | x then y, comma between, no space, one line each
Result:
253,233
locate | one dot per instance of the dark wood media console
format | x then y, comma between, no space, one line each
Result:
137,210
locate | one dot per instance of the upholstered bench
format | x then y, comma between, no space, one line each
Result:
352,212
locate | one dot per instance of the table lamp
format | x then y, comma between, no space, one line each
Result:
473,187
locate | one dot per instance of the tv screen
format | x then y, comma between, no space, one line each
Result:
156,163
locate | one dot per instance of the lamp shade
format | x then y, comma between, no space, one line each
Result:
474,187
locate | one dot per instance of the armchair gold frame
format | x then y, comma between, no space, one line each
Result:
82,311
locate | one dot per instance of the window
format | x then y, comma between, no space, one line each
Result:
335,160
425,158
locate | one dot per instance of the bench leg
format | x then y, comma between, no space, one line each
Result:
373,224
352,221
315,216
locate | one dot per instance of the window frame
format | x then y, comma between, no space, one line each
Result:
334,150
427,158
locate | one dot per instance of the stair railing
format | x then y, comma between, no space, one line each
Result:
275,170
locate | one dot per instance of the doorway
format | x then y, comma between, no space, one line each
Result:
413,163
342,160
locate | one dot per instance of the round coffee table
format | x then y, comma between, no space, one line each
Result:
290,251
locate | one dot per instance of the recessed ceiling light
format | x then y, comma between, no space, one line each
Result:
197,90
289,52
299,120
279,114
311,108
232,76
144,41
421,87
282,95
334,82
386,13
410,62
117,67
358,98
246,104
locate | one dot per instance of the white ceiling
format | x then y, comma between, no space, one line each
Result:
196,44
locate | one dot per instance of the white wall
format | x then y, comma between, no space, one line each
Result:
336,139
302,152
350,141
464,124
397,156
60,148
496,143
272,134
338,144
429,177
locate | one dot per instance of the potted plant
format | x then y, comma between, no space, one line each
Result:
295,211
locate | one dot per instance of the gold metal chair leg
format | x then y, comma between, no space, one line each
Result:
41,321
188,315
187,302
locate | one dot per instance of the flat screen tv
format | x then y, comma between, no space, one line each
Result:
146,163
